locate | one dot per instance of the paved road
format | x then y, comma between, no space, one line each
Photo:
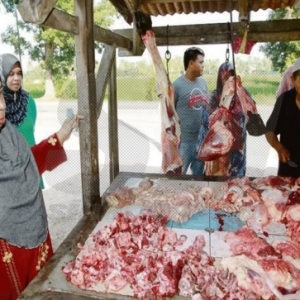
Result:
139,141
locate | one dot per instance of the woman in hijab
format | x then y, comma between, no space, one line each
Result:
234,164
20,106
25,244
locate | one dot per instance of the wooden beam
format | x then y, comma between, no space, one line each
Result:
138,45
110,38
260,31
87,105
143,2
35,11
244,9
132,5
65,22
121,7
62,21
103,75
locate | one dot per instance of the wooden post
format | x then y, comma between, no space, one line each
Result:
102,78
113,124
87,106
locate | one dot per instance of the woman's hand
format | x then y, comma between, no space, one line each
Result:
67,127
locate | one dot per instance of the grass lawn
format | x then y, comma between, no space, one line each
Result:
262,87
37,90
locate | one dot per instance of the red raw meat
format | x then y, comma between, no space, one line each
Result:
171,159
219,139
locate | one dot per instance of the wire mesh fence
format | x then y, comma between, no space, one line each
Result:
139,138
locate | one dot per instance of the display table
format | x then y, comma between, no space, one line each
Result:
51,283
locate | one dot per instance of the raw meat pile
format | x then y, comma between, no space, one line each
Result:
141,252
176,204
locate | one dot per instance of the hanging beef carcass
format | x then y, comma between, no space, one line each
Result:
225,133
171,159
219,139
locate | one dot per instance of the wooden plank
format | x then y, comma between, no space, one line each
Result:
113,124
87,105
143,2
103,75
65,22
62,21
138,45
260,31
110,38
132,5
244,8
121,7
35,11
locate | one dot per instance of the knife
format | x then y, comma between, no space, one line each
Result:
292,164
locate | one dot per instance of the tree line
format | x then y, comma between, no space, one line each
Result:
55,50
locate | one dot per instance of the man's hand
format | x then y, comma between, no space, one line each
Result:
283,153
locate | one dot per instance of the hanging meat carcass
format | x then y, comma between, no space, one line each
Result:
170,136
224,134
219,139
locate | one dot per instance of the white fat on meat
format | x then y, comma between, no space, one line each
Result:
288,248
114,281
259,218
275,201
293,212
274,182
251,276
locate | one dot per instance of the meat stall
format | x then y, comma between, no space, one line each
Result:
252,231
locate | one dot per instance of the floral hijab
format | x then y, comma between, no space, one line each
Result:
223,73
16,102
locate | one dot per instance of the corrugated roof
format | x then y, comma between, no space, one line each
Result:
170,7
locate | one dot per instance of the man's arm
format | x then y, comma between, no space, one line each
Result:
273,129
283,153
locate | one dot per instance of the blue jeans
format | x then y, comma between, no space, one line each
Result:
238,164
188,152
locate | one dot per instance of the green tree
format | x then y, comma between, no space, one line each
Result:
55,50
282,54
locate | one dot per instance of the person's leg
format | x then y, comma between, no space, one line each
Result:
18,266
12,273
197,166
186,155
238,164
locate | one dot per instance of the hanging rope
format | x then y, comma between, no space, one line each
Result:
168,53
228,43
231,38
231,41
227,50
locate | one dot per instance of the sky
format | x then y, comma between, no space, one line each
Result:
213,51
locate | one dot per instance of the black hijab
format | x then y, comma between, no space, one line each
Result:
16,102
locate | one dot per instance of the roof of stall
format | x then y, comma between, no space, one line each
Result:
170,7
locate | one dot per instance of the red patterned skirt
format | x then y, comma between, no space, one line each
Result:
18,266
